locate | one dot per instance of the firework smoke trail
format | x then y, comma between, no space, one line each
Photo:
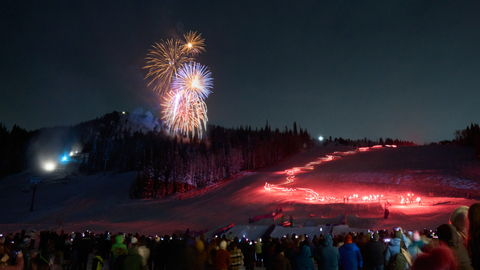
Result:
164,61
193,43
194,79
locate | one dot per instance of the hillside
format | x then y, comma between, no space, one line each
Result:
100,202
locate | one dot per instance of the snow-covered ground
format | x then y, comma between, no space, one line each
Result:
101,202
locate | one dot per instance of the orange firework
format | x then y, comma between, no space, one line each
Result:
183,83
193,43
164,61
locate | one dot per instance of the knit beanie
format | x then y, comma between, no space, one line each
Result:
134,240
459,218
416,236
223,244
348,239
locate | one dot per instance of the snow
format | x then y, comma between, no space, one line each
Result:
100,202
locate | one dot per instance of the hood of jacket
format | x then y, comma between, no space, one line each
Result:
395,242
459,218
306,251
119,239
327,240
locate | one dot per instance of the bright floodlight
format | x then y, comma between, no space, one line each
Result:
64,158
71,153
49,166
189,45
320,138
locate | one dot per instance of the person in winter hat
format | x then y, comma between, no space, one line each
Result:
374,253
133,259
417,239
119,248
304,260
393,248
222,257
279,262
350,256
258,249
144,252
86,247
237,257
415,245
447,235
459,220
199,257
328,255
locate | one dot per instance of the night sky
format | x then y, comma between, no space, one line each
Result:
351,69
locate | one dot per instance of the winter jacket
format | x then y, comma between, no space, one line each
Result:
279,262
237,259
350,257
86,246
304,260
463,257
291,255
144,252
222,259
374,254
119,248
391,250
97,263
449,235
328,255
250,257
133,261
258,246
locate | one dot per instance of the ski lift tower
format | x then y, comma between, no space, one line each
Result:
34,180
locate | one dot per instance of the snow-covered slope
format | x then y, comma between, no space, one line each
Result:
100,202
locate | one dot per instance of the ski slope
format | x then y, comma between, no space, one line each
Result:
100,202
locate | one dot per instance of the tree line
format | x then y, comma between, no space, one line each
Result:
13,149
366,142
185,164
165,164
469,137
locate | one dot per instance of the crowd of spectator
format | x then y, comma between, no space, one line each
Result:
454,245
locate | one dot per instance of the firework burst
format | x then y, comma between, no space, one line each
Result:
193,43
183,83
185,113
193,79
163,62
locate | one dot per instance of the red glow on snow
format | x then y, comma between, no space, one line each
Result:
313,196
